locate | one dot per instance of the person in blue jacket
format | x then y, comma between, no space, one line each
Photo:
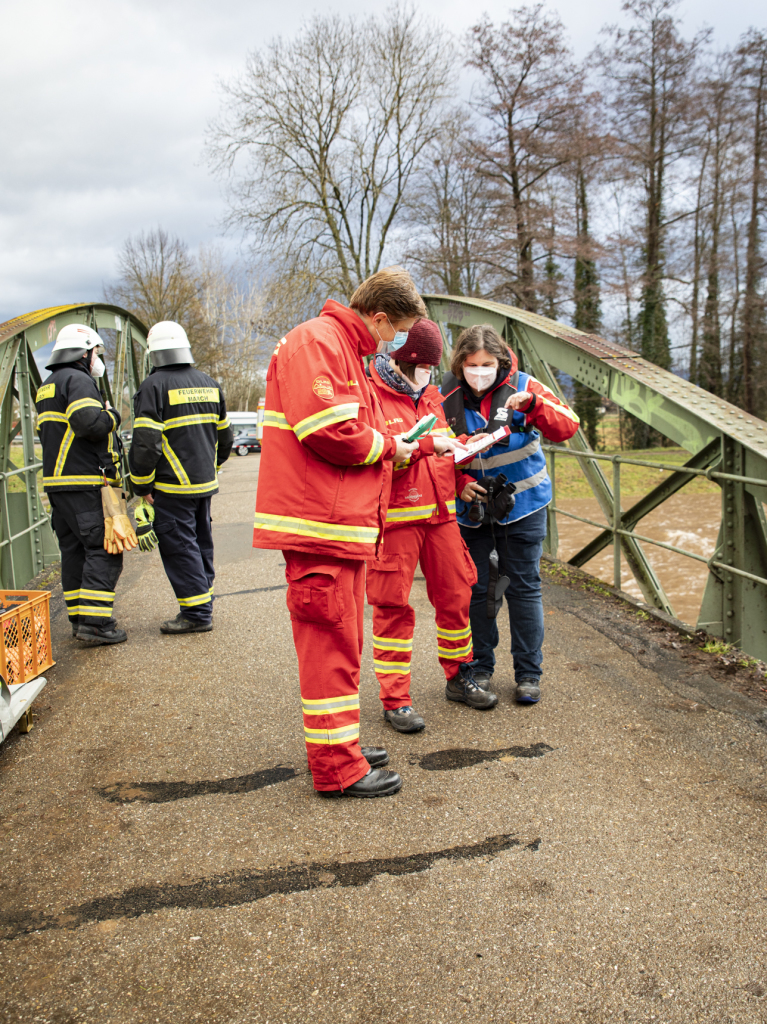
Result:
485,390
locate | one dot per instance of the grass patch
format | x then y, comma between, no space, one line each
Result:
715,646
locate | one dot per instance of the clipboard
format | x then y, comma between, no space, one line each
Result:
480,446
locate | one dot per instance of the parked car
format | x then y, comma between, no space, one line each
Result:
246,443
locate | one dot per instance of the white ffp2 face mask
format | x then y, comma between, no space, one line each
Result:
480,377
97,367
422,376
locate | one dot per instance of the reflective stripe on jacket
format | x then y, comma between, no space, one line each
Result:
322,482
423,489
181,433
76,431
520,457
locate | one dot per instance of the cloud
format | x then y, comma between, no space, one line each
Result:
104,112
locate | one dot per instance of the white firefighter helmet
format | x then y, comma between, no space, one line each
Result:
72,343
167,343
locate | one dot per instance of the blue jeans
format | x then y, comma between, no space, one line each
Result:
519,546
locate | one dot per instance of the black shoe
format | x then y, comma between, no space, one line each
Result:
376,757
377,782
96,636
528,691
404,719
482,678
462,687
183,625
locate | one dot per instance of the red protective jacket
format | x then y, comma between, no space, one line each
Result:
423,489
323,486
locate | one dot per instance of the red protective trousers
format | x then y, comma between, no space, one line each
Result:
326,600
450,575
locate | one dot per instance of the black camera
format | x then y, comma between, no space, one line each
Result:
496,503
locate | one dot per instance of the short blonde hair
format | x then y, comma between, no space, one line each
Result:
474,339
391,291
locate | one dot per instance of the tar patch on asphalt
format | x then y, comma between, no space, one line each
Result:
459,757
237,888
164,792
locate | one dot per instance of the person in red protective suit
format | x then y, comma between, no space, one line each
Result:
323,490
421,526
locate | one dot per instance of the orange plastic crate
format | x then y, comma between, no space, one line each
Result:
25,634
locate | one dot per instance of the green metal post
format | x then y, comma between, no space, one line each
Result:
617,524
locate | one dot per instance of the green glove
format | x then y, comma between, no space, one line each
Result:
147,538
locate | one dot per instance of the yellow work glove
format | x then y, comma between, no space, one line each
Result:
119,534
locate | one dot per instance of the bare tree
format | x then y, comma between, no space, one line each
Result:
525,100
647,71
753,68
451,233
322,135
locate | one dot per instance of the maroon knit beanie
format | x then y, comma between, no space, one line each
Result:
423,345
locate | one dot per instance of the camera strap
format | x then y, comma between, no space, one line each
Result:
496,584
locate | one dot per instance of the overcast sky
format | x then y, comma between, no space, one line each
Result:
103,109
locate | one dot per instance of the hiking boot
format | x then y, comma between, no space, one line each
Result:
482,678
376,757
97,636
528,691
404,719
463,688
184,625
377,782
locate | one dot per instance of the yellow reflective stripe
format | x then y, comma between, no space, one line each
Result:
439,430
391,643
185,488
325,417
84,609
83,403
68,481
142,479
66,444
189,396
276,419
311,528
346,734
560,407
148,422
331,706
223,424
70,595
375,452
389,668
451,505
191,420
98,595
394,515
110,412
51,417
454,634
175,463
190,602
454,652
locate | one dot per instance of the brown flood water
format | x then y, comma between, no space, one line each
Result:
689,521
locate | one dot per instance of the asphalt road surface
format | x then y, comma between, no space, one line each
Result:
164,858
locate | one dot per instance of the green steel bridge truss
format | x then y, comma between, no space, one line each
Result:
726,445
27,543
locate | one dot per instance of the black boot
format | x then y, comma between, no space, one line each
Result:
184,625
376,757
405,719
377,782
463,688
97,636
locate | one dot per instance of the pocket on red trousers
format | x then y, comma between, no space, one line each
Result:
471,569
385,582
314,594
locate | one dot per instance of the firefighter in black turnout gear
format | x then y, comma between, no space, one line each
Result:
80,455
181,435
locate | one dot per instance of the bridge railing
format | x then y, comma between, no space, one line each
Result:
726,444
616,528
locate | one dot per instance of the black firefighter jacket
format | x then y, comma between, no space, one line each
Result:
181,433
77,432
